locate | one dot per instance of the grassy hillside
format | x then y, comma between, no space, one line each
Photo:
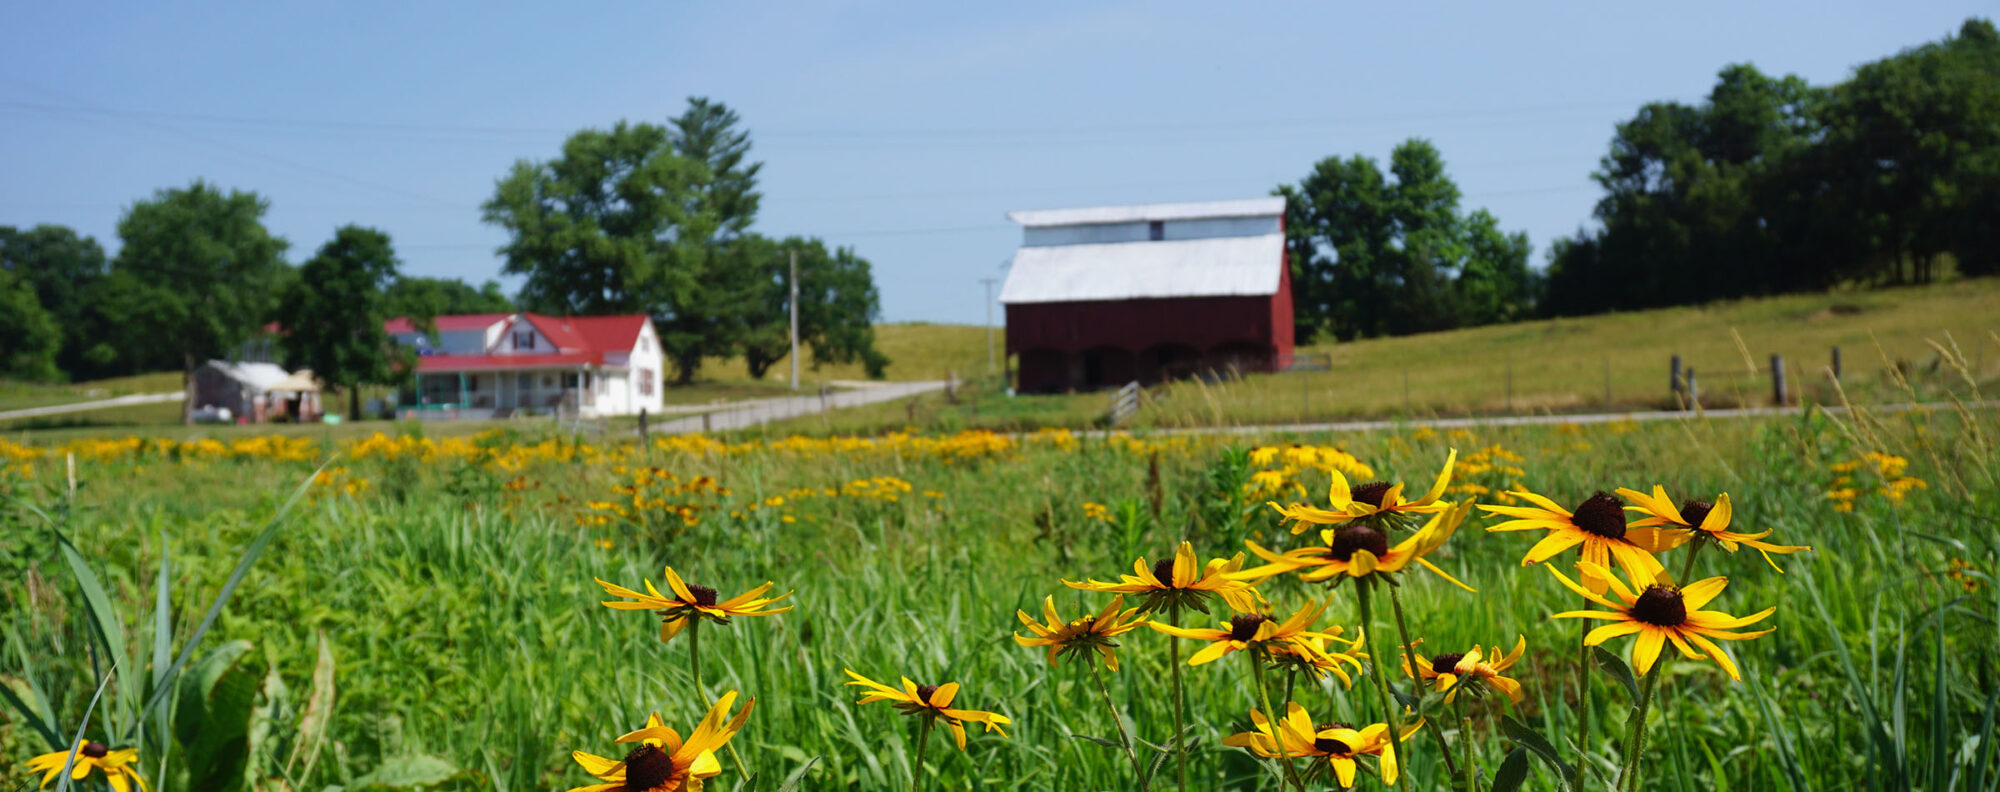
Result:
916,350
1555,365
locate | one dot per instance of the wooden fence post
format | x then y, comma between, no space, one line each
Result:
707,423
1674,391
1836,363
1693,390
1778,394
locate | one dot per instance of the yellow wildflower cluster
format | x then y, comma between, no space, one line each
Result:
646,492
1490,470
272,447
337,481
1888,469
887,489
1093,510
1280,468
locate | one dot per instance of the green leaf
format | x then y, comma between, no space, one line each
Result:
43,720
1512,773
798,776
1616,667
213,722
1533,740
1113,744
109,629
318,714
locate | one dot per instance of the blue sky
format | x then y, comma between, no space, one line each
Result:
904,130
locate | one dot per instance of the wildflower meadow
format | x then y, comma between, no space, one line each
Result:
1799,603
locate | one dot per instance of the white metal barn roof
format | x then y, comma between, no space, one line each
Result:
1213,267
1252,207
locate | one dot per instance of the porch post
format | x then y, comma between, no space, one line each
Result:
461,390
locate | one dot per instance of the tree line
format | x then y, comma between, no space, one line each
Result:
1770,185
639,218
1773,185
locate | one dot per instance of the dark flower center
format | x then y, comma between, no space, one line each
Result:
1243,626
924,692
647,767
1601,515
95,750
1349,537
703,595
1372,494
1328,745
1695,511
1660,606
1164,570
1446,663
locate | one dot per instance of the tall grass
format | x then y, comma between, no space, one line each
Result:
467,627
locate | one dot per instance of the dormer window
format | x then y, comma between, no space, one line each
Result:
524,339
1156,230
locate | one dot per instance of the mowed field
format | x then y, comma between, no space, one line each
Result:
1551,366
424,616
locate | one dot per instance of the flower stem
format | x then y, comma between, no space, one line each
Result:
1582,710
694,657
1180,694
923,740
1138,770
1391,714
1410,659
1465,740
1272,717
1637,744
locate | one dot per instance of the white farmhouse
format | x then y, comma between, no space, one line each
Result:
489,365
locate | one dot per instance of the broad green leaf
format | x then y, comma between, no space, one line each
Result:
109,629
318,714
34,711
1616,667
406,771
1534,741
1512,773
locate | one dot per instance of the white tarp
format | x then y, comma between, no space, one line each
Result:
1217,267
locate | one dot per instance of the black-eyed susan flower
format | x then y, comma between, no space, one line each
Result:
1259,631
1452,671
1320,656
1333,746
1598,524
91,755
931,702
1710,519
1181,580
1081,635
1376,503
662,761
690,601
1357,549
1662,612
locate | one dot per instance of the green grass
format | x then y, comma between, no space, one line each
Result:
23,395
465,625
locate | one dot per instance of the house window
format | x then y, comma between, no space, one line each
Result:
524,339
524,381
569,381
645,382
644,345
1156,230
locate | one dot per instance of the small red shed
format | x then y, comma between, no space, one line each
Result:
1103,296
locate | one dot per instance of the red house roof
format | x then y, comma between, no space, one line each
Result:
578,340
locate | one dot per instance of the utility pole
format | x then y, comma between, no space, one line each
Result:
795,320
989,322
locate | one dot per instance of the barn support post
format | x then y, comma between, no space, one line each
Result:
1778,395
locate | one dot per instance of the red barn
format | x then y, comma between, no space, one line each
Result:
1103,296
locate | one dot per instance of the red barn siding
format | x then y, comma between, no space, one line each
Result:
1104,343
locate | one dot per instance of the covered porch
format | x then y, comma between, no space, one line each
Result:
541,391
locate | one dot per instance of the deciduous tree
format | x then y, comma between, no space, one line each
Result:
333,313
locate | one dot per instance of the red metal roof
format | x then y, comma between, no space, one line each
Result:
445,324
